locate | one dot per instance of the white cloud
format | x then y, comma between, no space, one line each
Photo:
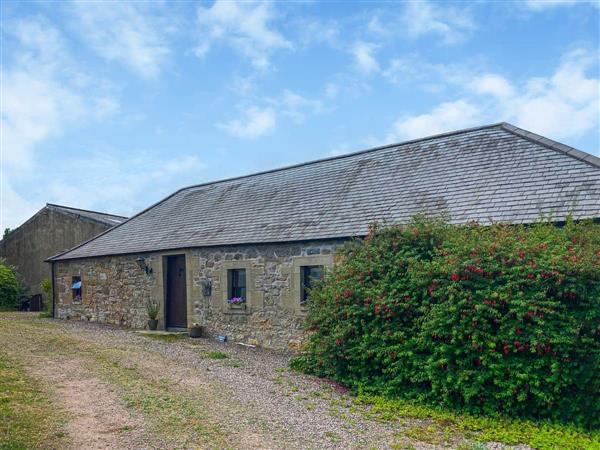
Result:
125,32
376,27
422,18
121,182
566,104
538,5
430,77
296,106
492,84
242,25
447,116
266,112
312,30
364,57
563,105
255,123
44,92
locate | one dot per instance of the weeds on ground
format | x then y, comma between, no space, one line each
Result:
166,337
174,414
217,355
438,424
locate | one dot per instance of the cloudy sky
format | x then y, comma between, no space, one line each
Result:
114,106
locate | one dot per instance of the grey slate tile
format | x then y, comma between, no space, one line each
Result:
497,173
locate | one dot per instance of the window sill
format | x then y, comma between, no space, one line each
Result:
237,309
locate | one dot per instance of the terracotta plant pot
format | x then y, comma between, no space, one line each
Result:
195,332
152,324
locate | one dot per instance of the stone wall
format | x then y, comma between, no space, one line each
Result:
116,290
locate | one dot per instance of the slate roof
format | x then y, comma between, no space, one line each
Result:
105,218
495,173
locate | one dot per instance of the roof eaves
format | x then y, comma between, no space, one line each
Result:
342,237
557,146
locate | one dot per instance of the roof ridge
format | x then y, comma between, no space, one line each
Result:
552,144
86,210
346,155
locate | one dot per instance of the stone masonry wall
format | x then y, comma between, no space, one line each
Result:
116,290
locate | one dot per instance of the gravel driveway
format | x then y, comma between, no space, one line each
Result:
120,389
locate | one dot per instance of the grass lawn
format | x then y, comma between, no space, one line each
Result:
27,417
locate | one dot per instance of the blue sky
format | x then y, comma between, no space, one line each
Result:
112,106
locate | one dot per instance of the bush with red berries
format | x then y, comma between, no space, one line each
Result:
498,319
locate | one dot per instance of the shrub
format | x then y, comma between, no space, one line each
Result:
9,288
496,319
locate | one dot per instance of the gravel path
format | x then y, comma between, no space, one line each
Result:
125,390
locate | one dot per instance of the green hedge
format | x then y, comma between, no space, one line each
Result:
9,288
495,320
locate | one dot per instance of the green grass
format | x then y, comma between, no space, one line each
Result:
27,418
436,425
217,355
167,337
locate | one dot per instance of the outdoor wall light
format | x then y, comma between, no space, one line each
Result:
206,287
142,263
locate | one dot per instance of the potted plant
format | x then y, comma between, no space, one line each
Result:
195,330
152,309
237,302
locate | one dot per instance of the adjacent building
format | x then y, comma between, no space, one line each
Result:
238,255
53,229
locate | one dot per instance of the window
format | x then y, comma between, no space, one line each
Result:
236,280
309,274
76,288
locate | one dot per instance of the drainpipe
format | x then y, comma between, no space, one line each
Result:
53,293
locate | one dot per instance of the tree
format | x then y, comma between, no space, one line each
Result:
10,288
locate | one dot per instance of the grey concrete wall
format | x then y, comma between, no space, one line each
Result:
115,290
45,234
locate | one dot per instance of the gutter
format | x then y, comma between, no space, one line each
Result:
53,292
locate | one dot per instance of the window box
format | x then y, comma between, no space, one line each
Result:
237,303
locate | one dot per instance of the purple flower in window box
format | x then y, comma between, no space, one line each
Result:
237,302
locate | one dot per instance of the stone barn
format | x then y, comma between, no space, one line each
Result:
52,229
239,255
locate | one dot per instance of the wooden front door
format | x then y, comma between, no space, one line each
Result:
175,292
